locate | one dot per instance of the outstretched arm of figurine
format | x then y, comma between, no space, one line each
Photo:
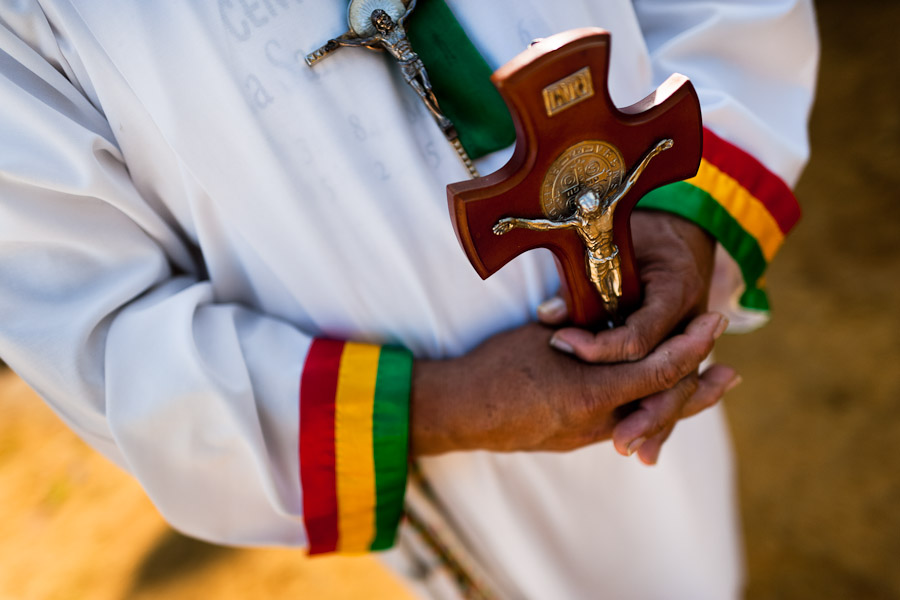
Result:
348,39
332,45
637,171
509,223
409,8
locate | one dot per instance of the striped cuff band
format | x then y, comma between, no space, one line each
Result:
746,207
354,419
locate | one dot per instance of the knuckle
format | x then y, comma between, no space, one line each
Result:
635,347
689,388
665,373
597,397
666,414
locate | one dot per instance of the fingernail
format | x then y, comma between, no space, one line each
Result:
734,383
554,308
721,327
635,445
561,345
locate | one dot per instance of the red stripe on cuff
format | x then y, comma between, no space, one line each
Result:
318,386
759,181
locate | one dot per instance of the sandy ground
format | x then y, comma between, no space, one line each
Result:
815,424
76,527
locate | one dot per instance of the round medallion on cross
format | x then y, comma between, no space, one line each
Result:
592,164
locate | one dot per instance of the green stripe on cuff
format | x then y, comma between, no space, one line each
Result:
696,205
755,299
390,440
461,79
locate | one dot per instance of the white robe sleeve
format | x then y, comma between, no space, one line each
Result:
754,65
105,315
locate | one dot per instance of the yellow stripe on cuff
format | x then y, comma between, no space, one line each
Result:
745,208
354,460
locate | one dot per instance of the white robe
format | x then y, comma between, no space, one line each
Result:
184,204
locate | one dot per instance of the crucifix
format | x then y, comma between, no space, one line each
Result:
580,165
380,25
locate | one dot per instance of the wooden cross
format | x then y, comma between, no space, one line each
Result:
571,139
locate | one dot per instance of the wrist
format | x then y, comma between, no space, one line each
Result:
433,402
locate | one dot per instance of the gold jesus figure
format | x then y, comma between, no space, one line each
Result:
593,221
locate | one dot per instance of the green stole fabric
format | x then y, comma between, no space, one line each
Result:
461,79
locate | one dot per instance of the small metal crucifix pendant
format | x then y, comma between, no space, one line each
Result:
379,25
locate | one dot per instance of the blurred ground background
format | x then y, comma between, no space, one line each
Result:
816,423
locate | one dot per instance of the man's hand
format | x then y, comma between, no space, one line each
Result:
514,392
675,261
